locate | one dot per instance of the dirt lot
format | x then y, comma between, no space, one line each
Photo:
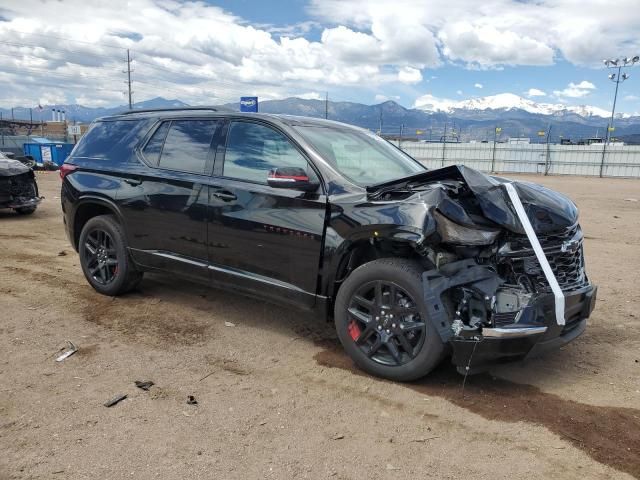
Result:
277,399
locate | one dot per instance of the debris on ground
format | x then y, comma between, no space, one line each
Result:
229,324
630,199
422,439
118,398
339,436
62,253
391,467
144,385
72,349
191,400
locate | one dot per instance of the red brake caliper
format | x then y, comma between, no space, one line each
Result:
354,330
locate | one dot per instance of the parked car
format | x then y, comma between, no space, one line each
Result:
411,264
18,186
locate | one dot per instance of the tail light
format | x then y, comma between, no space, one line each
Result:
66,169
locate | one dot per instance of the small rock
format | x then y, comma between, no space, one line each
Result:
229,324
339,436
62,253
630,199
144,385
191,400
391,467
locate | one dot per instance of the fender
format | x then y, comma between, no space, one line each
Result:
93,199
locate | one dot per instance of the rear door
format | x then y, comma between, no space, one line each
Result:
265,240
166,209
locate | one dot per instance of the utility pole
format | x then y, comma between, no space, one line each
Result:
380,129
401,132
1,128
129,80
326,105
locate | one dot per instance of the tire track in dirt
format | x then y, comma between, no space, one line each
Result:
609,435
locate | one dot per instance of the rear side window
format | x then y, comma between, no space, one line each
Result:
254,149
186,147
112,140
152,149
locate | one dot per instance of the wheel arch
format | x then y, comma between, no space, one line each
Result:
89,207
368,246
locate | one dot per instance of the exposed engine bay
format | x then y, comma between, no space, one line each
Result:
18,186
504,259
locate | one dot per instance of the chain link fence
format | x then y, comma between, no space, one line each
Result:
614,160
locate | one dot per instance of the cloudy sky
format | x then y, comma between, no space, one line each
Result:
74,51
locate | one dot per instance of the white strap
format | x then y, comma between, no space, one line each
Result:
542,259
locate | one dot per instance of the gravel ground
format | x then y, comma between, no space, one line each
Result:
277,398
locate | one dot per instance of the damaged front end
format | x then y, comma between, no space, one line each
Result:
508,275
18,187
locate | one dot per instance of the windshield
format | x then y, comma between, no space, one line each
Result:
362,157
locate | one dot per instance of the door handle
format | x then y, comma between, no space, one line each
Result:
134,182
224,195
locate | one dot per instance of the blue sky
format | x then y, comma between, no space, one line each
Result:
410,51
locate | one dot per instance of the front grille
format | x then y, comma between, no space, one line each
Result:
564,253
21,186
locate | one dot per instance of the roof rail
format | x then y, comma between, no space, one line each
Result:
170,109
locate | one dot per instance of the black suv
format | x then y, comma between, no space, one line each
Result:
410,263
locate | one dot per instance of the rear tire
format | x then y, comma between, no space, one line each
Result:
104,257
400,343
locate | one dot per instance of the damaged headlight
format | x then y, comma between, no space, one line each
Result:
451,232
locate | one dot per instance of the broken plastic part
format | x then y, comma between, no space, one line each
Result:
72,349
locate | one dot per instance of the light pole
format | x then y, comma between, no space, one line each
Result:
618,78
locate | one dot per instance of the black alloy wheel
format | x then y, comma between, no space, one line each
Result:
104,256
382,320
385,323
101,256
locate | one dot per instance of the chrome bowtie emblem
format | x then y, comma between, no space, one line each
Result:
570,246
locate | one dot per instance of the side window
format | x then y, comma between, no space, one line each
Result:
254,149
186,147
153,147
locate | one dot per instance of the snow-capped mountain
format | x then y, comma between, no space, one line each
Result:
507,101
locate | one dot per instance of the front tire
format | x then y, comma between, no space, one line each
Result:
104,257
382,321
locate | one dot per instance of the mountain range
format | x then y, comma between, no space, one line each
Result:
474,119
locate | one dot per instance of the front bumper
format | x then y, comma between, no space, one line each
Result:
535,332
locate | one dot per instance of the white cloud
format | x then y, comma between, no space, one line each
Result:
379,98
459,92
576,90
192,51
535,92
478,85
409,75
310,96
631,98
503,32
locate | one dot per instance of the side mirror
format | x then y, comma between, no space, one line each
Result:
291,177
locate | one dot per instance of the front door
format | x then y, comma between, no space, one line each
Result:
266,240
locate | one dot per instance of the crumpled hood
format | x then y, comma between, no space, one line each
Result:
548,211
9,167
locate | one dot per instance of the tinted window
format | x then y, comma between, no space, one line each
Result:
111,140
253,150
153,147
186,147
